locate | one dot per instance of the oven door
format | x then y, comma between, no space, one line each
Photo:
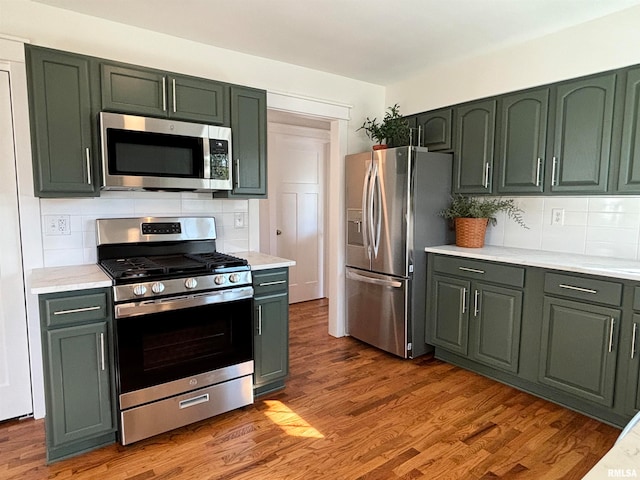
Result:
181,342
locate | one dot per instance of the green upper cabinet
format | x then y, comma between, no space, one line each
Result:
143,91
629,172
65,161
249,143
521,141
435,129
473,152
582,133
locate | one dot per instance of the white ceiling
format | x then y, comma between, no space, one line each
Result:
377,41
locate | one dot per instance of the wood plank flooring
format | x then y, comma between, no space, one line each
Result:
349,412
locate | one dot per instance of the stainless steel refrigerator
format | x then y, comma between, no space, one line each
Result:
393,197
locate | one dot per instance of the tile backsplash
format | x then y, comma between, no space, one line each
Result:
79,246
603,226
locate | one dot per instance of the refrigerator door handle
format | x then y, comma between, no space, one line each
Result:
371,210
377,211
365,211
374,281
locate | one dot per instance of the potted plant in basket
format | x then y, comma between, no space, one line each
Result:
471,215
392,132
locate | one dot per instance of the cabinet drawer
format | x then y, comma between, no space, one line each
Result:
609,293
65,310
478,270
270,281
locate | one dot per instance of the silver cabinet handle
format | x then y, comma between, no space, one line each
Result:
76,310
164,94
464,299
538,169
237,173
173,85
486,175
259,320
633,340
553,171
611,325
87,156
102,350
578,289
278,282
476,309
194,401
472,270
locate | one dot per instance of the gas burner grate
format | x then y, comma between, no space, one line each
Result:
134,267
217,260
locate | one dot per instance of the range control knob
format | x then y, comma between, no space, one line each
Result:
139,290
234,278
157,287
191,283
220,279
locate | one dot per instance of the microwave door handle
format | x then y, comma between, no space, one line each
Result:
164,94
173,91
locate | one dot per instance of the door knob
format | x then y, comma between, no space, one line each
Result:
278,232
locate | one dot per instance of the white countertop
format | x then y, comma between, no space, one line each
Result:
263,261
65,279
603,266
82,277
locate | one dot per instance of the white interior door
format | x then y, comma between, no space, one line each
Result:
297,157
15,378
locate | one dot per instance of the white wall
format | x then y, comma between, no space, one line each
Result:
596,46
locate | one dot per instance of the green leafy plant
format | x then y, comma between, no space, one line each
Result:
394,128
486,207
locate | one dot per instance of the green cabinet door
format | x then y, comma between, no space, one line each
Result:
144,91
198,100
271,342
579,349
633,374
582,135
435,129
449,314
78,377
495,326
629,172
521,141
474,143
137,91
64,162
249,143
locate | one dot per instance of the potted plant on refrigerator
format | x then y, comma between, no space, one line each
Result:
471,215
393,131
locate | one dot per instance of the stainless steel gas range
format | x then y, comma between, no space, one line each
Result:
183,322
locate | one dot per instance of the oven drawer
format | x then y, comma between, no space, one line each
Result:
266,282
164,415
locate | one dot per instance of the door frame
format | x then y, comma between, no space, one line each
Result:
338,116
268,239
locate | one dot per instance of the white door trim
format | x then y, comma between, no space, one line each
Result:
338,115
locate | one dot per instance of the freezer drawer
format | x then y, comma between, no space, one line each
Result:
377,310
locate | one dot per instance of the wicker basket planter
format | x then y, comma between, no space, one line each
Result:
470,232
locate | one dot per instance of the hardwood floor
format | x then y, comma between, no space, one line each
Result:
349,412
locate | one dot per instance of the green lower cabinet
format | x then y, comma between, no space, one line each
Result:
78,371
271,322
449,328
579,349
497,317
633,377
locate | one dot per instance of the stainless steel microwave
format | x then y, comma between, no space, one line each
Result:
143,153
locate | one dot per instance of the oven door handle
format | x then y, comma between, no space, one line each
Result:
134,309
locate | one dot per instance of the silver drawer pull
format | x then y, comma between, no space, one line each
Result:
578,289
613,322
266,284
76,310
194,401
472,270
